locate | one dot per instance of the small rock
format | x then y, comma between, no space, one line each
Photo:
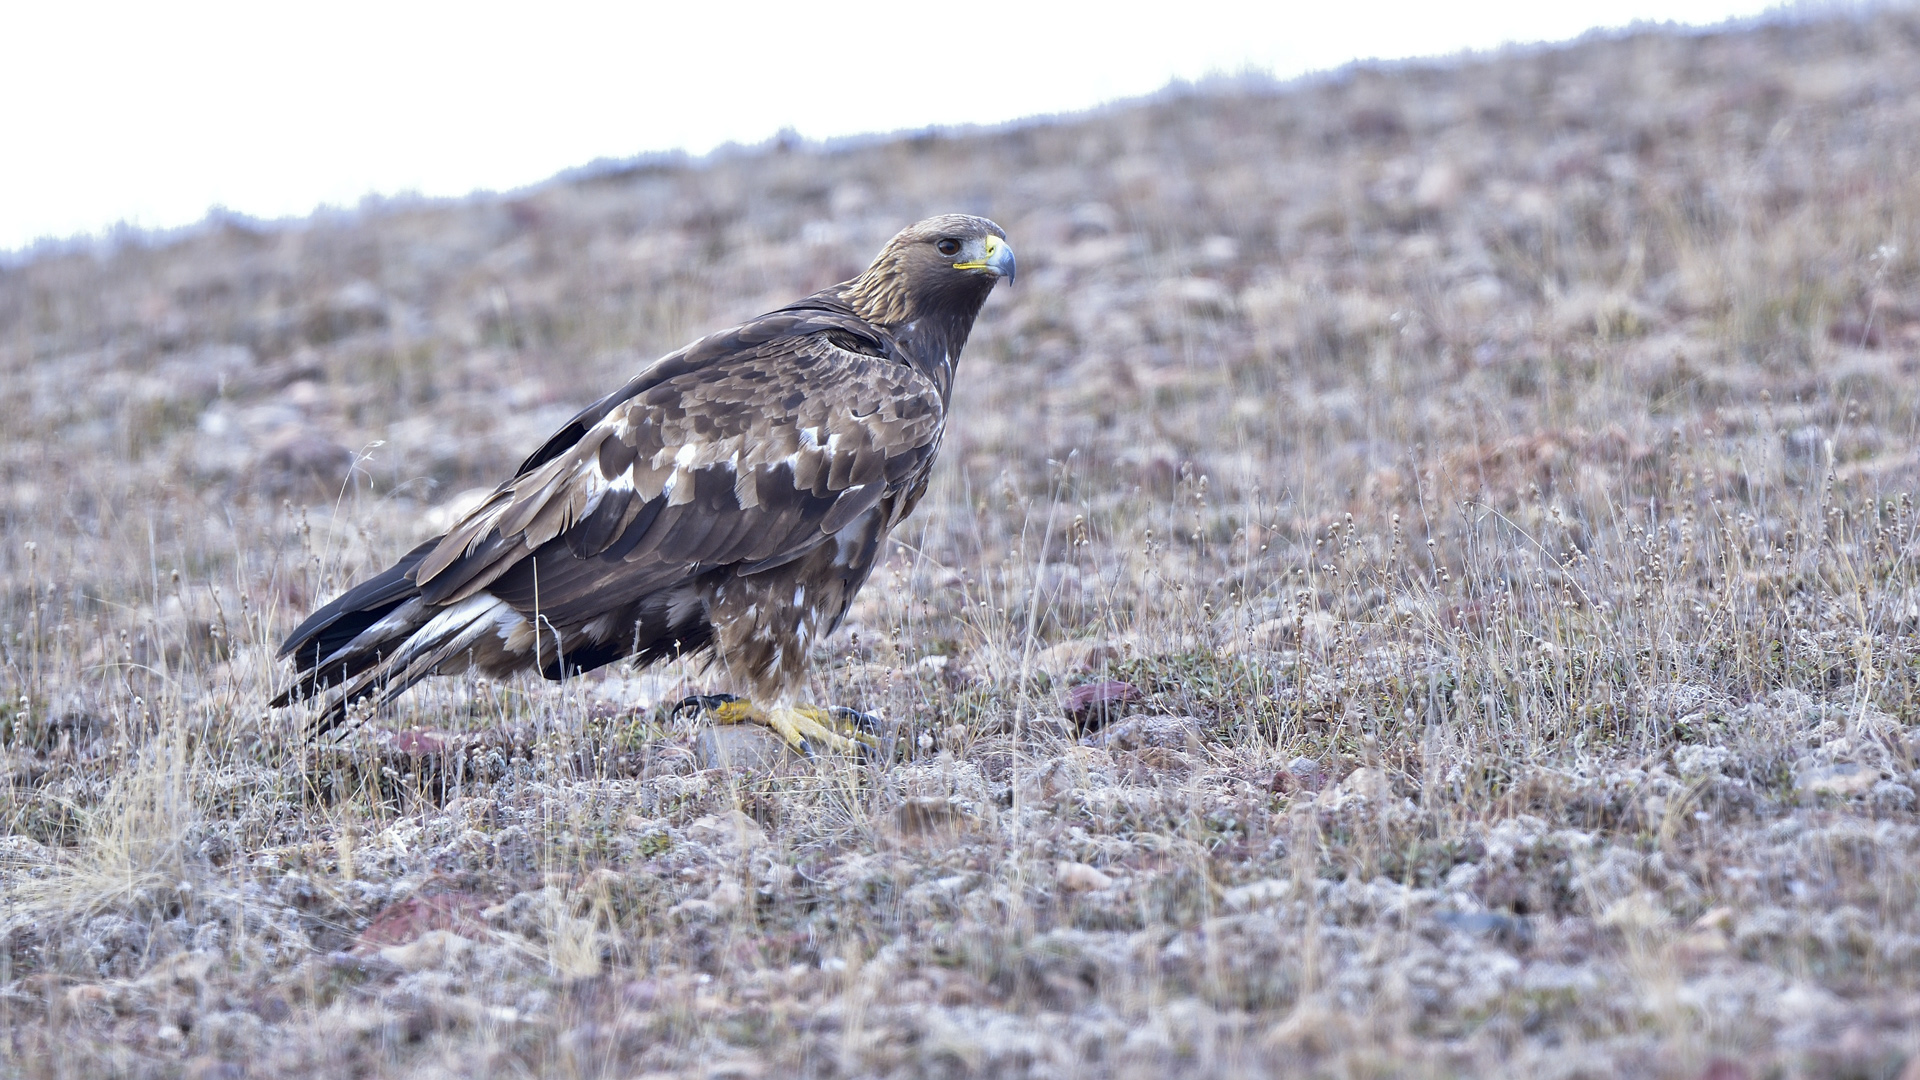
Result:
1203,296
641,994
271,1007
1301,774
1439,187
417,743
1092,219
1638,911
1844,780
736,1069
1219,250
1719,918
88,995
1806,440
775,877
1047,727
730,829
410,919
1080,766
1313,1028
1256,894
303,462
930,815
1152,762
1892,795
1701,945
1701,760
354,307
604,880
727,896
1366,783
1073,657
1092,705
1269,636
695,910
359,968
1507,929
18,851
1079,877
434,949
180,971
208,1067
1142,732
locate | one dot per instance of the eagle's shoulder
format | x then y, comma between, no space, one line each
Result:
770,338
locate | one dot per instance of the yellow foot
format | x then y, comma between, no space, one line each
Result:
806,728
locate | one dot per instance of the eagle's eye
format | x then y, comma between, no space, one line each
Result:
949,247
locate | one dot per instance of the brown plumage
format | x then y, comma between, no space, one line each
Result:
730,499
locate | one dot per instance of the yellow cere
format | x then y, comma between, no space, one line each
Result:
992,243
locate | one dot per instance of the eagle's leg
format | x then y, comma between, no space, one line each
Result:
764,627
806,728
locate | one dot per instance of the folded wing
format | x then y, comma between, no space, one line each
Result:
743,451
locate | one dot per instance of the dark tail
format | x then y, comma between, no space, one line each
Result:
347,617
385,634
368,643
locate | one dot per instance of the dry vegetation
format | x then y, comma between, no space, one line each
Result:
1493,483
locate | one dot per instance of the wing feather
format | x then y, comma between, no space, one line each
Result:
685,541
617,455
598,529
635,531
750,453
851,504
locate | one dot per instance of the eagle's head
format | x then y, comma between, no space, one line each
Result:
935,271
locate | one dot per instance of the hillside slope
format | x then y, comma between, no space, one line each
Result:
1481,494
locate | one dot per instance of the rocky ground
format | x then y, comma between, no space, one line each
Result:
1420,581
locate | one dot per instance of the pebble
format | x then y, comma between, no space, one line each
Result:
1079,877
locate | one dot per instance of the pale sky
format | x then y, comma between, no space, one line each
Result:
151,113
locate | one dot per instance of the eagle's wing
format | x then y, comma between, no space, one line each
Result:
752,449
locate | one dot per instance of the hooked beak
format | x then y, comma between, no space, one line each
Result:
996,257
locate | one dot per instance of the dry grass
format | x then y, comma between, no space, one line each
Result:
1494,481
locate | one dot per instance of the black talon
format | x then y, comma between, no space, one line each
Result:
695,704
865,722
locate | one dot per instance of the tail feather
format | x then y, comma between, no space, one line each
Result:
414,653
379,638
363,643
326,630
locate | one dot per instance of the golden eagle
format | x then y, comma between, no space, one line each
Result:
729,500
